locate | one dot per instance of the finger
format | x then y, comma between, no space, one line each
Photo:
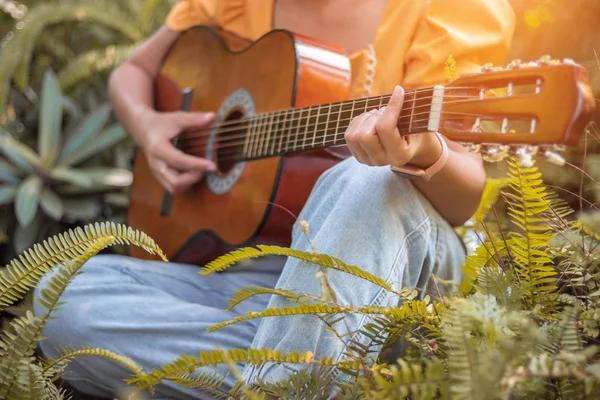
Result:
180,182
369,140
184,162
352,138
187,120
387,125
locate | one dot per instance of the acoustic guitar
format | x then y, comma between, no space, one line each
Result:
282,100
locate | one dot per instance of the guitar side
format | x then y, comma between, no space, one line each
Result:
279,70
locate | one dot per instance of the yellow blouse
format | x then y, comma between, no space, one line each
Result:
412,43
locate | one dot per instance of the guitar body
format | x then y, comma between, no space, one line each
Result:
255,201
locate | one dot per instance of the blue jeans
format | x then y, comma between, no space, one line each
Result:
152,312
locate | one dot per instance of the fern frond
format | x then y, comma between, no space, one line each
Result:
322,260
569,338
17,348
208,381
303,309
18,343
427,380
305,384
31,383
66,354
188,364
529,208
88,64
25,272
247,292
491,193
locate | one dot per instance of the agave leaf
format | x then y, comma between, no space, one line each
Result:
108,176
28,199
51,110
82,209
71,108
7,194
92,62
107,138
25,236
21,155
8,173
69,175
52,204
90,126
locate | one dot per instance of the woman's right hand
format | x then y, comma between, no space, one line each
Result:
174,169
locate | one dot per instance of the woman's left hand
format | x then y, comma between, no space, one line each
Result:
373,138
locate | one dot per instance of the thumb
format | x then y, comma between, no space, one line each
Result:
194,119
391,113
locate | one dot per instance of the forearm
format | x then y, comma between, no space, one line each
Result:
456,190
130,86
130,91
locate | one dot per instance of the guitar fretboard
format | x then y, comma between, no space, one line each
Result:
282,132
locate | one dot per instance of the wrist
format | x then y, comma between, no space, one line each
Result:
425,170
143,119
428,152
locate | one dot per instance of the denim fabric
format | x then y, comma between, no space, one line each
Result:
152,312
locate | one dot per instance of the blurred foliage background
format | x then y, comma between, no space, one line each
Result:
64,159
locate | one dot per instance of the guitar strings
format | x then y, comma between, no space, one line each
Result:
233,140
247,122
318,142
367,99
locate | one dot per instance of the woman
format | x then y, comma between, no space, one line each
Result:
390,225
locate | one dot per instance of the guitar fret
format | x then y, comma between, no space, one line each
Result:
257,127
327,124
283,132
337,124
412,111
316,126
299,124
245,151
276,130
265,143
306,127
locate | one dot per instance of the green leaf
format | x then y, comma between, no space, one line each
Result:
21,155
82,209
117,177
51,204
70,175
106,139
28,199
8,173
51,110
91,63
7,194
83,133
26,236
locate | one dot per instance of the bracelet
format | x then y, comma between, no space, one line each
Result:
424,175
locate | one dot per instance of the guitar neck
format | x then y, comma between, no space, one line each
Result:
288,131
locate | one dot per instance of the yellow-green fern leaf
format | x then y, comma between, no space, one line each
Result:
209,382
303,309
323,260
21,346
188,364
450,69
247,292
24,273
491,193
418,381
31,383
66,354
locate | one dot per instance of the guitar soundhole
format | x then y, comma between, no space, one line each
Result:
230,141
